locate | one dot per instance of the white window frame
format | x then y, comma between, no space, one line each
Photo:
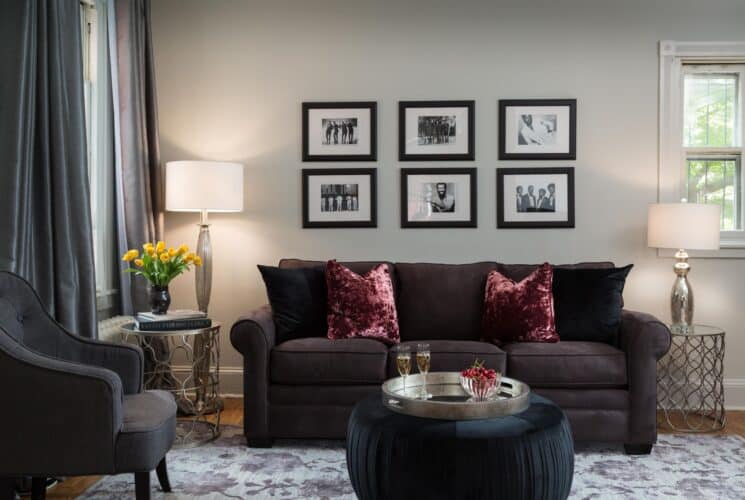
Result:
673,168
99,130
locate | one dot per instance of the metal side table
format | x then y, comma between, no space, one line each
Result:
196,389
690,379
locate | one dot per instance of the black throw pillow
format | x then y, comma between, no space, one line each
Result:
298,300
588,303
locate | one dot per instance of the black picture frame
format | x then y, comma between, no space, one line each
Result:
473,189
371,105
470,155
502,199
309,172
569,155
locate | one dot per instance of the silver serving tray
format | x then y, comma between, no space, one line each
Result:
449,401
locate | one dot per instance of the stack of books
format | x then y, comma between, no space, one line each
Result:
180,319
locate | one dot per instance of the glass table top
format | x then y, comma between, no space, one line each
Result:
695,330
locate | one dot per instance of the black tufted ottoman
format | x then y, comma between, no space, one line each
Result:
525,456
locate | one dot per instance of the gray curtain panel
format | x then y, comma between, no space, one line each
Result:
139,177
45,219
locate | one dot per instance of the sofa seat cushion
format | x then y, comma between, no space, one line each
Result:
314,360
453,355
567,364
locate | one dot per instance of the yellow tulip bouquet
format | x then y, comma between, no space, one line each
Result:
158,264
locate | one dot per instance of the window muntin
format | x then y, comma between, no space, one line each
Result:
711,110
712,113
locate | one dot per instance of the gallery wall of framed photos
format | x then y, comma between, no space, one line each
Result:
526,197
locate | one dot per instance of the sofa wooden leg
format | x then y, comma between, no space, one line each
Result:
638,449
142,485
162,472
260,442
38,488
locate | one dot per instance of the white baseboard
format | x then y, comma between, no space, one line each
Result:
231,385
231,379
734,393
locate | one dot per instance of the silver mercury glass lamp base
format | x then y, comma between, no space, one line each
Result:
681,298
203,281
203,274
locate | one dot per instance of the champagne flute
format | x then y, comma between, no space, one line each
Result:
403,362
423,358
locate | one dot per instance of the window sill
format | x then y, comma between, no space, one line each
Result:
105,299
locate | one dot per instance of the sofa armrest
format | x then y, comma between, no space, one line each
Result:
644,339
253,335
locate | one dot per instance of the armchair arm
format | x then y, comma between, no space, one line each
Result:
61,418
253,335
644,339
126,360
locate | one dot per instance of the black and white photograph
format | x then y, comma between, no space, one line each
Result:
438,197
537,129
535,197
436,130
339,131
339,197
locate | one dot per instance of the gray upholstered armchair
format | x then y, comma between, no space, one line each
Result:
73,406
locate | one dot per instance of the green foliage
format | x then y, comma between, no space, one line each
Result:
710,110
715,181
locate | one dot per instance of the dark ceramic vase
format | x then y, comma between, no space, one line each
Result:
160,299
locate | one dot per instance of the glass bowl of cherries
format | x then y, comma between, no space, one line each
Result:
481,383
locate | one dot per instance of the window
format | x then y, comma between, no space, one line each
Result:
702,141
99,136
712,138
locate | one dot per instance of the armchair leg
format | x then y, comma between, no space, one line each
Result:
38,488
638,449
142,485
162,472
7,488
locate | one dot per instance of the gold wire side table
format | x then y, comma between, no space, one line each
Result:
196,388
690,380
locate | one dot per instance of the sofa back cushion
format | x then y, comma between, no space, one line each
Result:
360,268
518,272
441,301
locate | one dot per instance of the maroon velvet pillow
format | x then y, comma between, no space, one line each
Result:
361,306
520,312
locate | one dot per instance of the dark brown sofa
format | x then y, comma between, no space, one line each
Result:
306,388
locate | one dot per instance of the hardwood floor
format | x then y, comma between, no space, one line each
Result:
233,415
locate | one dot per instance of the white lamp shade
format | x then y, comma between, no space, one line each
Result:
688,226
193,186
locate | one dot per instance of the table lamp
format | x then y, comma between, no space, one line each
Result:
683,226
204,186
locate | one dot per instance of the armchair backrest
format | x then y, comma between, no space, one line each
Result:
23,317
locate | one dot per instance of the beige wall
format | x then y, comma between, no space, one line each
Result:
232,74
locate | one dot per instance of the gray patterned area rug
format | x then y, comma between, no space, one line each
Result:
680,466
